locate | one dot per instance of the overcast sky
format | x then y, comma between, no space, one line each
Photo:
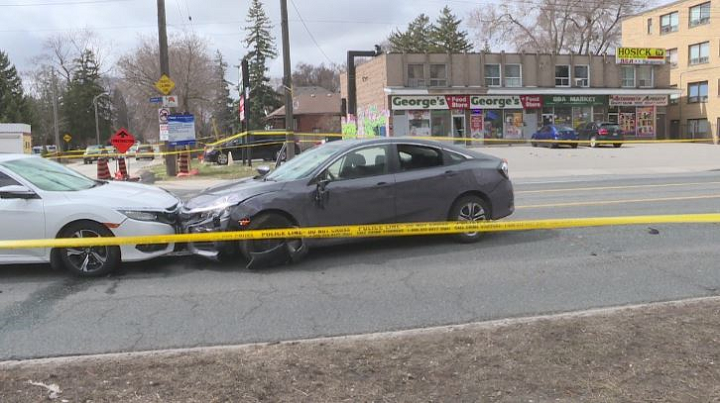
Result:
337,25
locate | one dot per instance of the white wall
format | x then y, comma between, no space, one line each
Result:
11,143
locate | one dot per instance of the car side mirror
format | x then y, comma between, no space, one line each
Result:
321,194
16,192
263,170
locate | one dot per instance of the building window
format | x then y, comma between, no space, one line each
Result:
645,76
699,53
416,75
649,26
513,75
697,92
627,76
698,128
700,14
581,75
562,76
438,75
669,23
492,75
672,57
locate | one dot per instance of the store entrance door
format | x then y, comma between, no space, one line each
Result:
458,126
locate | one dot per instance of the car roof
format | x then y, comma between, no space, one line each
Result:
12,157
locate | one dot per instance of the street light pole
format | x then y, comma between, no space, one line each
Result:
97,123
287,83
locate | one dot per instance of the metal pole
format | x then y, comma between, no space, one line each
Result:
170,162
97,125
56,126
287,83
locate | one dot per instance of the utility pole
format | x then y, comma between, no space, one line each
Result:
56,126
287,83
170,163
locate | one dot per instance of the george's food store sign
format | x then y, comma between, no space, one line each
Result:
463,102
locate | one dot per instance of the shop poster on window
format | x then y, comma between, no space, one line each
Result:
419,122
627,123
513,125
646,121
476,124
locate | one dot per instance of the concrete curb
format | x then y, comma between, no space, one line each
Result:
499,323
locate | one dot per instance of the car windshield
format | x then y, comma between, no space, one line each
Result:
49,175
305,163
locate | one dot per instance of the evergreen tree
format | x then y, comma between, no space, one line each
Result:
446,35
14,107
261,45
416,39
223,111
78,108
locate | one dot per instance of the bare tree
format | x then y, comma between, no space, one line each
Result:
308,75
578,26
192,69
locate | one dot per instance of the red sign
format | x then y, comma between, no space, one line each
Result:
241,108
531,101
122,140
458,101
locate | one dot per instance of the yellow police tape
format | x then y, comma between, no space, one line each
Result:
367,231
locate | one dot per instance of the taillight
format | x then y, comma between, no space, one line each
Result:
603,132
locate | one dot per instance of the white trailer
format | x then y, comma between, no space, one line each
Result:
15,138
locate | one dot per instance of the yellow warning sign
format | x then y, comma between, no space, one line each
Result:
165,84
67,138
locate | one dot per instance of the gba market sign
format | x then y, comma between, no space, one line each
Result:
459,102
638,100
574,100
640,56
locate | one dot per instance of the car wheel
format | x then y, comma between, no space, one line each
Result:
222,159
617,145
574,145
469,208
593,142
534,144
262,253
87,262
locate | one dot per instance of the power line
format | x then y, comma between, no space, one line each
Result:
310,33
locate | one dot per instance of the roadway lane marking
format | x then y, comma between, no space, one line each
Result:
588,189
608,202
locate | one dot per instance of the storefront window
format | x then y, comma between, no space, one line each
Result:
563,116
582,115
493,124
599,113
513,124
440,123
645,117
419,123
626,117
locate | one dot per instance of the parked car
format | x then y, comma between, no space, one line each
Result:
145,152
351,182
132,151
601,131
263,147
38,150
94,153
553,132
51,148
42,199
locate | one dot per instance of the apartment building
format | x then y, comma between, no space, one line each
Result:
690,32
506,95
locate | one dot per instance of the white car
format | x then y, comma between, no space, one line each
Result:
42,199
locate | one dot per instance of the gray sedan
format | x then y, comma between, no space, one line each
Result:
351,182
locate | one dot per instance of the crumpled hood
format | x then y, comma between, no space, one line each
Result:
126,195
242,189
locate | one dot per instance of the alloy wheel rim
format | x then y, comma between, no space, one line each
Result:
87,260
593,142
222,158
472,212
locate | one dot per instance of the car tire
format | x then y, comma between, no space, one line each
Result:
617,145
222,159
469,208
593,142
534,144
295,251
574,145
86,262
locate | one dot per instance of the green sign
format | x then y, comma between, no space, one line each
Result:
575,100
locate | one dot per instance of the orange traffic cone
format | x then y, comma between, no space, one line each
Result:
184,165
103,170
122,172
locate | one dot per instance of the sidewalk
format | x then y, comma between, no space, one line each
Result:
661,352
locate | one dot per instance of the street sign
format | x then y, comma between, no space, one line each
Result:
163,114
67,138
122,140
165,84
156,100
164,132
181,130
241,108
170,101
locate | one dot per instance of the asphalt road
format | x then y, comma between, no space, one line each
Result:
387,284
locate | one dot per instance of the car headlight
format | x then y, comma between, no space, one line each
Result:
140,215
217,208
